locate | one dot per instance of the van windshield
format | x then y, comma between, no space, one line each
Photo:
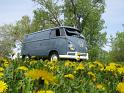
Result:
73,32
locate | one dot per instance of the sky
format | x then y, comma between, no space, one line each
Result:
114,16
12,11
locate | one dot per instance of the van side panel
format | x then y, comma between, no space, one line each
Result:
43,47
62,45
36,43
59,44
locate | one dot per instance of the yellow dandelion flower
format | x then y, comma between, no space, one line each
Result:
1,69
70,76
99,65
50,63
33,62
45,91
91,65
69,64
24,68
3,86
1,74
80,67
96,62
120,87
75,72
111,67
6,64
92,75
4,60
53,68
119,65
102,68
120,70
36,74
113,64
100,86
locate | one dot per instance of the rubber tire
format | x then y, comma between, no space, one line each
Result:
54,55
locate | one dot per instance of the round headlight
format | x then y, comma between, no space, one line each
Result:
71,46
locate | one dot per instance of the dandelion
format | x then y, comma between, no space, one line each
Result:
1,69
80,67
3,86
1,74
111,67
69,64
45,91
91,65
75,72
120,87
24,68
120,70
6,64
92,75
100,86
4,60
44,75
53,68
70,76
99,65
50,63
33,62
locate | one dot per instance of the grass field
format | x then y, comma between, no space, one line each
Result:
37,76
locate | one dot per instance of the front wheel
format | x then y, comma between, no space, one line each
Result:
53,57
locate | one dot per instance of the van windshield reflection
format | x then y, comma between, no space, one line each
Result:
73,32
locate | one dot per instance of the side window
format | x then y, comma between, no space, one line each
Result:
53,33
57,32
62,32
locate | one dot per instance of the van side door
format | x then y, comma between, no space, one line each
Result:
58,40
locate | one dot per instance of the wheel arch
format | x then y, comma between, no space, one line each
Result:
53,51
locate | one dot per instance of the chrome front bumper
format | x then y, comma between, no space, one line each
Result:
75,55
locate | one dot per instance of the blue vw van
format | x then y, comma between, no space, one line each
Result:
60,42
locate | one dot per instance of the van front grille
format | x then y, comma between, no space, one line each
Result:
83,54
71,53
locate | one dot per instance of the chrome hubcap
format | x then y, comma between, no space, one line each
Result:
54,58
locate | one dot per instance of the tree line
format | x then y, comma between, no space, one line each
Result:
82,14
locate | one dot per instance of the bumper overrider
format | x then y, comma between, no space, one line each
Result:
75,55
